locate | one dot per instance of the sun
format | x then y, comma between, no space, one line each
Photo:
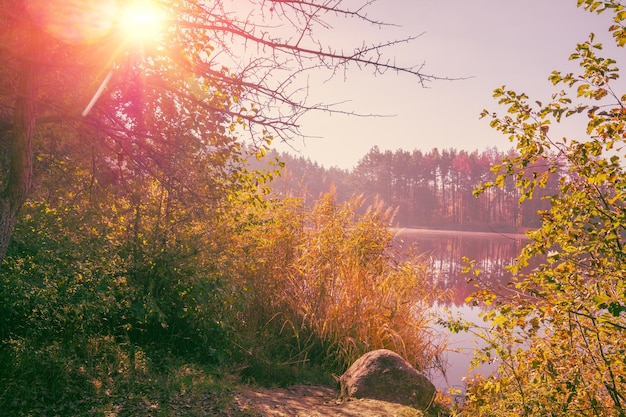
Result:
140,21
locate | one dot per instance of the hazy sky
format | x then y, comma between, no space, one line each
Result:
497,42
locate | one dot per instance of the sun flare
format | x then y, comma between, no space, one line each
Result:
140,21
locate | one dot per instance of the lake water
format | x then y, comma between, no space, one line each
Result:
444,251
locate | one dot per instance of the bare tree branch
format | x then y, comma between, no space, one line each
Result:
211,74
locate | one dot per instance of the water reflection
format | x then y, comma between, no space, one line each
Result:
445,251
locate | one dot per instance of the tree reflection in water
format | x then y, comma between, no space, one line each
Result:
445,250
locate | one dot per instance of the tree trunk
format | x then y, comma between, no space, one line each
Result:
20,135
7,222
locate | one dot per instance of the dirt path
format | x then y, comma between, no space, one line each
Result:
314,401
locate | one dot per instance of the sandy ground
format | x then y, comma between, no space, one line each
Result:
315,401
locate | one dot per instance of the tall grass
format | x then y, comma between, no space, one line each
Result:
328,285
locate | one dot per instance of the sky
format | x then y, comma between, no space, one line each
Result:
516,43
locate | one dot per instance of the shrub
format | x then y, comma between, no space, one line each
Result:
559,340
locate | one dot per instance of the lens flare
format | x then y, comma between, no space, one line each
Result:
85,21
140,22
73,21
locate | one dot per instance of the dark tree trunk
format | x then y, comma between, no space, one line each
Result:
19,169
8,217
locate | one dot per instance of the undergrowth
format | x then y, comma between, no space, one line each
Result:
115,316
59,380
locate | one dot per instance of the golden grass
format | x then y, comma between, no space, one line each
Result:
328,283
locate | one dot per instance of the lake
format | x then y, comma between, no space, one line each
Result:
444,251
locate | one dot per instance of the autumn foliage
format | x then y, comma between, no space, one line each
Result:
325,285
559,339
106,285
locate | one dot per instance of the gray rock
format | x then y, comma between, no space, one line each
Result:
384,375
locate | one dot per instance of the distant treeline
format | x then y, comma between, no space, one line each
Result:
429,189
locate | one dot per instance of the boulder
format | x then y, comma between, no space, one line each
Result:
384,375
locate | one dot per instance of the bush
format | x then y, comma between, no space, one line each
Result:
85,306
559,340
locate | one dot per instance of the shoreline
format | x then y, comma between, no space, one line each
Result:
417,232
